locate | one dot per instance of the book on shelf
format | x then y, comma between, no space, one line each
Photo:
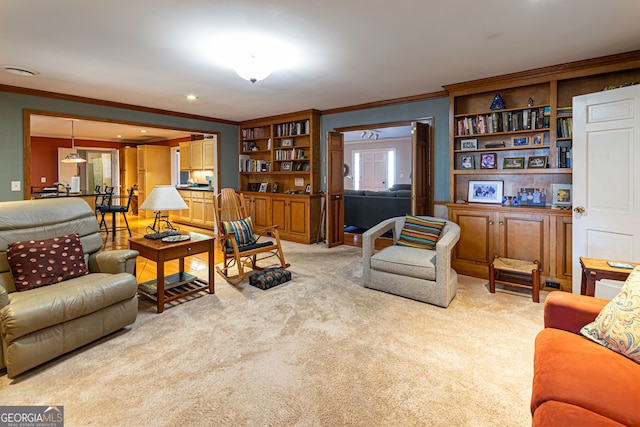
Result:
495,145
247,164
300,127
564,111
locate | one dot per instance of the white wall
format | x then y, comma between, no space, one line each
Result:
403,157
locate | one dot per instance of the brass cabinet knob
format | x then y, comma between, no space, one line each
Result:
490,222
501,222
579,209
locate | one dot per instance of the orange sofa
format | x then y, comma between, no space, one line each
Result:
577,382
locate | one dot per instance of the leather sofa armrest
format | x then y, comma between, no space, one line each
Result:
4,298
115,261
570,312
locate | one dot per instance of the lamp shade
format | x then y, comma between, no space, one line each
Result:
163,198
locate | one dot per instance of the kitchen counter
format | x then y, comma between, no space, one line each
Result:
195,188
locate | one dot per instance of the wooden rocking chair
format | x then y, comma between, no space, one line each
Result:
240,243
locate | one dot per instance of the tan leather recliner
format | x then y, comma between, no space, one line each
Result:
43,323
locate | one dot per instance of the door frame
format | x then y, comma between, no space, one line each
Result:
426,120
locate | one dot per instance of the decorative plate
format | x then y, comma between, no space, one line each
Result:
173,239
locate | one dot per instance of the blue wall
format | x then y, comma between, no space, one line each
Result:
11,134
438,109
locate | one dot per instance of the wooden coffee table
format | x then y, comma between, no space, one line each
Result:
179,285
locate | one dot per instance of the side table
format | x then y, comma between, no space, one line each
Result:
594,269
175,286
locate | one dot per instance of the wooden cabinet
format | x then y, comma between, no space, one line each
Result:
208,157
520,233
209,217
154,168
283,152
191,155
128,169
200,209
197,207
184,215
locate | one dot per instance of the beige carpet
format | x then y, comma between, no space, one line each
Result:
320,350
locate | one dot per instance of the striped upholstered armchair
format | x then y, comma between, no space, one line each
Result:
410,268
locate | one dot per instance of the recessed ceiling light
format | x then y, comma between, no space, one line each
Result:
143,131
118,136
20,71
192,97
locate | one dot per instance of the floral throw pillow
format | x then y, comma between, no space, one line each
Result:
617,327
44,262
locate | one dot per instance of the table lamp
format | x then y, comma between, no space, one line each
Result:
163,198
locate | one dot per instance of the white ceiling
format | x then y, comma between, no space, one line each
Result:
154,52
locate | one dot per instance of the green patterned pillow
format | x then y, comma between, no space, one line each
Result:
617,327
242,228
420,233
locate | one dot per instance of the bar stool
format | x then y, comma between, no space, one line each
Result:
527,269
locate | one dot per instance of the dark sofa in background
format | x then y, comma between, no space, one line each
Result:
364,208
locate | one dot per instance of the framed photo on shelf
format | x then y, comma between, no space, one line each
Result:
538,139
513,163
469,144
287,142
488,161
263,187
485,192
519,141
561,196
299,166
533,196
467,161
535,162
307,189
253,186
286,166
307,167
275,187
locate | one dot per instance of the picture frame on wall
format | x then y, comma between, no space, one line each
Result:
513,163
488,161
485,192
467,161
469,144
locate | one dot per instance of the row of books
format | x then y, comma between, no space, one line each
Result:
290,154
564,157
565,125
247,164
504,121
293,128
564,111
251,133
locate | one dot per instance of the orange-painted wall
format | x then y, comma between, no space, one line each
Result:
44,156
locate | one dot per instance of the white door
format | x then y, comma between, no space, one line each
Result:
373,170
606,155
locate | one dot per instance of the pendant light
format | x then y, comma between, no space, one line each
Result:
73,157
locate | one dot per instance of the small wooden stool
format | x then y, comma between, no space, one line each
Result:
516,266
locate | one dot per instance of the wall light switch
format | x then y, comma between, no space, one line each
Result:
15,185
43,179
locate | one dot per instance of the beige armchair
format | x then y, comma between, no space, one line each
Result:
420,274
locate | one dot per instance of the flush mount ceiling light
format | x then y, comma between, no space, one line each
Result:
253,67
253,56
73,157
21,71
191,97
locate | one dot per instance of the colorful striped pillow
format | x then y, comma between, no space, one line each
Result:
420,232
242,228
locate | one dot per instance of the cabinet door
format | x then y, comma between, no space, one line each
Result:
207,155
209,218
477,237
141,158
525,237
185,155
196,155
258,209
142,193
197,207
564,242
184,214
298,217
279,213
